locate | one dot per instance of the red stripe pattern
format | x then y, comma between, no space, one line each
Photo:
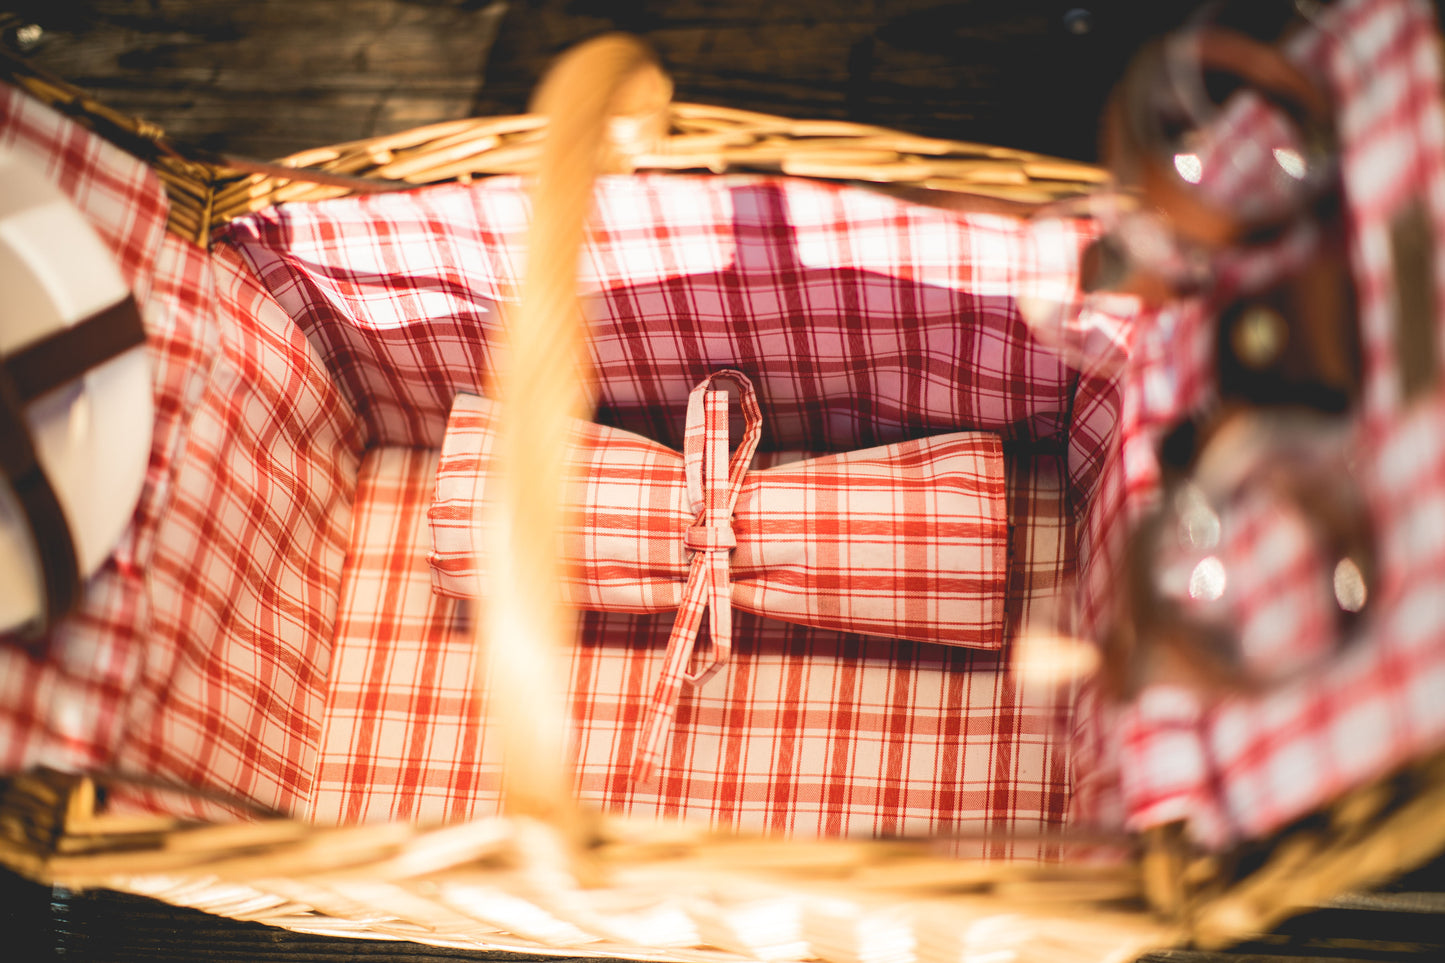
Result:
269,631
804,731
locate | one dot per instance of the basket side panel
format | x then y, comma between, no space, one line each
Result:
246,575
863,320
68,709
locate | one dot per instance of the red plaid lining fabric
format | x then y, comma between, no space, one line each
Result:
244,581
1261,763
843,306
121,199
196,655
804,731
248,682
685,276
68,711
905,541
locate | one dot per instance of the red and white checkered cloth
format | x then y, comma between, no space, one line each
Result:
201,652
268,629
68,711
843,306
804,731
275,638
745,732
904,541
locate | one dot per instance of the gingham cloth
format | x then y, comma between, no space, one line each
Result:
201,652
804,731
268,629
68,711
685,276
905,541
268,632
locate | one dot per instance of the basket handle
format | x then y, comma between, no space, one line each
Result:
611,82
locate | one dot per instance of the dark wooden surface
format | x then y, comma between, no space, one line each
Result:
1403,924
268,77
1023,73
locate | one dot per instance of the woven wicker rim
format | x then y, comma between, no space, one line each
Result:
207,190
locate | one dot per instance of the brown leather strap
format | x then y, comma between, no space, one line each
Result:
59,568
24,376
71,352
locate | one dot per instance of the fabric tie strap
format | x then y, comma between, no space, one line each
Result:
713,484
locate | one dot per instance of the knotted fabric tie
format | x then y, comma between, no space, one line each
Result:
905,541
713,484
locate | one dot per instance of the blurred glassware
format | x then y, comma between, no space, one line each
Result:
1217,143
1257,566
1222,134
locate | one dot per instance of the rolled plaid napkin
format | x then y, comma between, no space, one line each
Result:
904,541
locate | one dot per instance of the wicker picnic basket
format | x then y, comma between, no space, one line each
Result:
550,877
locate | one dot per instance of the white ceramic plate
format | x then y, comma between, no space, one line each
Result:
92,435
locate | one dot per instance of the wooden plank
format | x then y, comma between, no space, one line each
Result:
989,70
271,77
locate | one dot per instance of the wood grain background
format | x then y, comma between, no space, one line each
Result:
269,77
